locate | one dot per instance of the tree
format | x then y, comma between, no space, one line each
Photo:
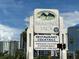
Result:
19,54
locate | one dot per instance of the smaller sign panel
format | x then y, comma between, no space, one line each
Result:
46,42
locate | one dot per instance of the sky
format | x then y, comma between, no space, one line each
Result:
15,13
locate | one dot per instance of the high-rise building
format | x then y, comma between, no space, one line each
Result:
13,47
10,46
6,46
73,37
23,41
73,41
1,46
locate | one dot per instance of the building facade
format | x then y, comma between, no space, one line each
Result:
1,46
13,47
23,41
73,37
10,46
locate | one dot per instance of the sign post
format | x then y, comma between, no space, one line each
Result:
45,32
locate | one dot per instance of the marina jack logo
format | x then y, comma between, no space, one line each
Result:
46,15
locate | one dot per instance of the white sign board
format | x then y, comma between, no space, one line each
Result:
45,20
46,42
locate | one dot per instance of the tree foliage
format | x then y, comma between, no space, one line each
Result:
18,55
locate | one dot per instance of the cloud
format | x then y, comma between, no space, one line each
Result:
9,34
70,18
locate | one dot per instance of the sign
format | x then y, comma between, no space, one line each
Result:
45,20
46,42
